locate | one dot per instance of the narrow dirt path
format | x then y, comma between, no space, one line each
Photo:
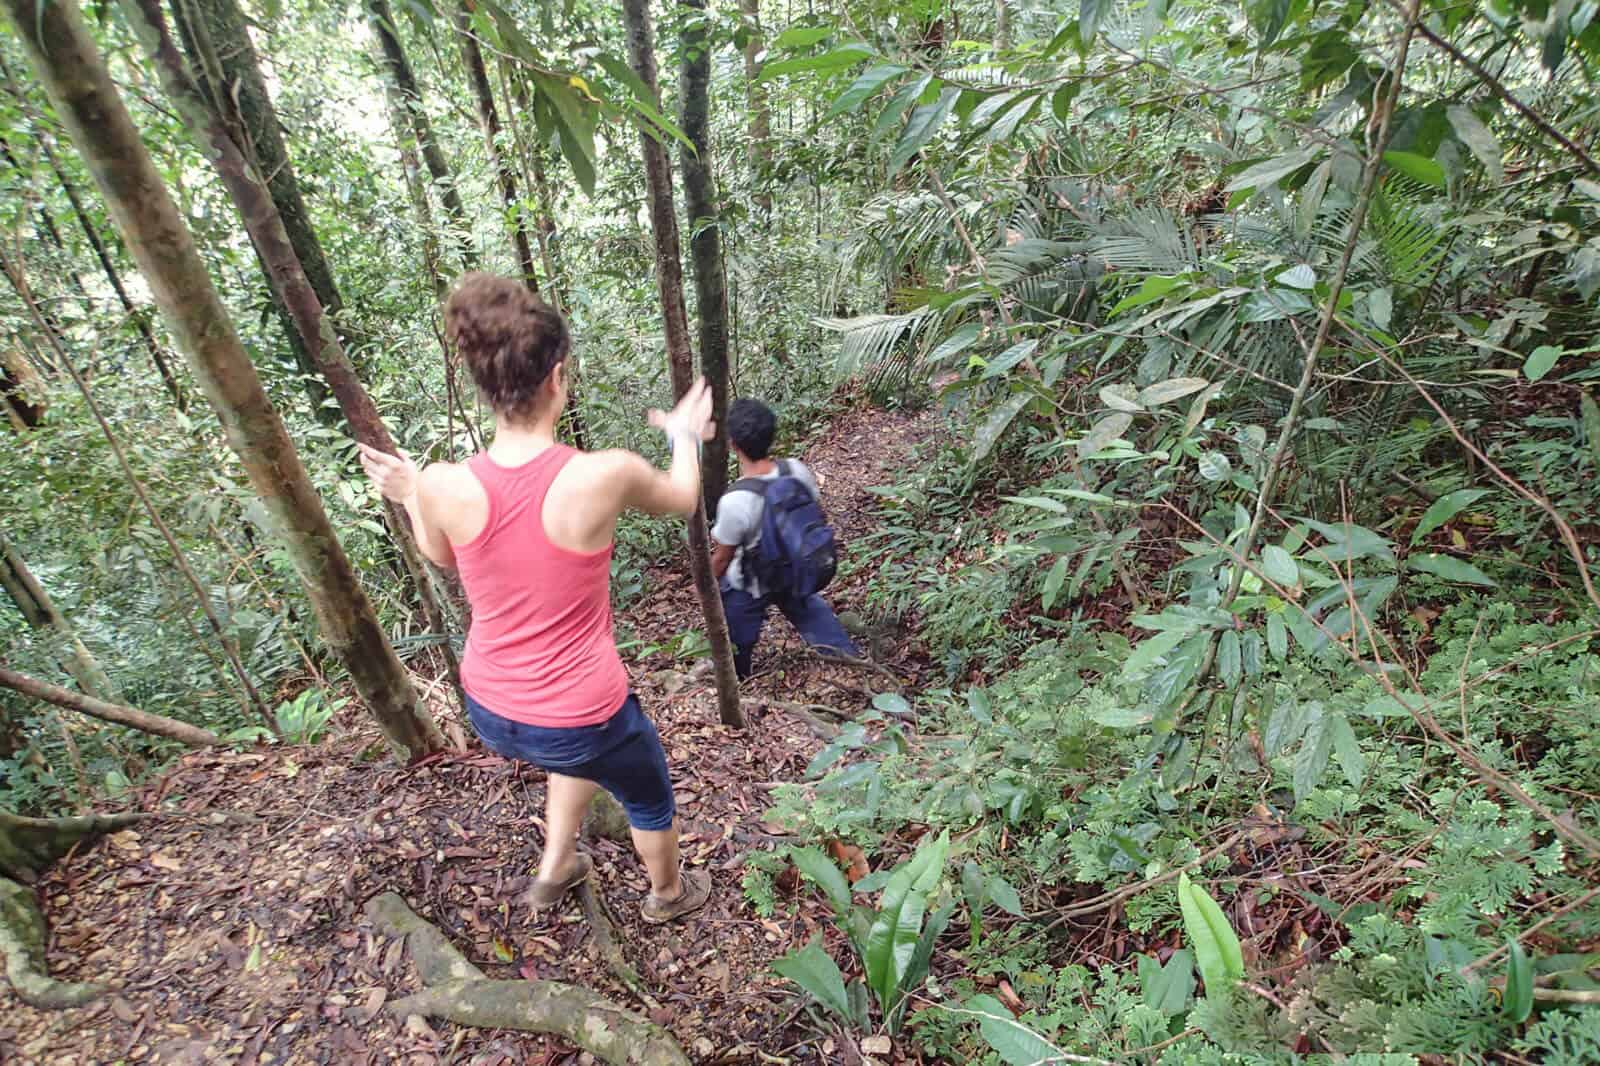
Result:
246,943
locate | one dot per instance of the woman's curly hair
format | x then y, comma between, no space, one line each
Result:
509,338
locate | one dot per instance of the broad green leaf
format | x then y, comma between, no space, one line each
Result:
920,128
1009,358
1011,1040
1108,429
1118,398
1416,167
846,55
1005,897
1350,541
892,703
1090,14
870,81
1591,424
892,938
1270,171
1279,566
1479,139
1519,984
1445,508
1216,945
1380,306
999,419
1052,583
1267,18
1214,466
1152,289
1300,276
1541,361
1311,761
1122,717
917,970
1347,750
975,889
814,970
895,109
825,873
1448,567
1230,658
956,343
801,37
1277,636
1061,101
1173,389
1168,988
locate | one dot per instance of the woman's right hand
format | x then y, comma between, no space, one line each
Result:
395,476
690,418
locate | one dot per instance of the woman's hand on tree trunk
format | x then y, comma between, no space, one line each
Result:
395,476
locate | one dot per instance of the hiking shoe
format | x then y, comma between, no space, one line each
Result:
696,890
545,894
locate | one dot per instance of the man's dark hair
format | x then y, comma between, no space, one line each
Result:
509,338
751,427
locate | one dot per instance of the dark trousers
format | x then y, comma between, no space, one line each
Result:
811,617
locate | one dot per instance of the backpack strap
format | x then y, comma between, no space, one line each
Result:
757,485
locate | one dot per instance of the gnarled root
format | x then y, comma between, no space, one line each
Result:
457,990
603,933
22,937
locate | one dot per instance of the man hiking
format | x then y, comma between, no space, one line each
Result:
773,545
529,523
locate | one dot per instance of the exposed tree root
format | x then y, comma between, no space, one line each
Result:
22,936
811,715
604,934
29,845
458,991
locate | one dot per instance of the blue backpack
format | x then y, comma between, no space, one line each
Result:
796,555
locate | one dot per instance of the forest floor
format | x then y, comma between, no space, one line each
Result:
246,942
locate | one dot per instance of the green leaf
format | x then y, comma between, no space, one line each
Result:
892,938
1347,750
1216,945
895,109
1119,398
1108,429
1005,897
1416,167
1152,289
920,128
1230,658
1009,358
1479,139
1011,1040
1591,424
1168,988
1173,389
1268,18
1052,583
917,970
1148,651
1448,567
1300,276
1311,761
1519,984
1122,717
892,703
801,37
1445,508
825,873
1270,171
846,55
999,419
1061,100
815,971
1277,636
1539,363
956,343
1090,14
1214,466
1380,307
1279,566
870,81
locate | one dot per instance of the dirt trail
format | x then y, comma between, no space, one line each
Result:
246,943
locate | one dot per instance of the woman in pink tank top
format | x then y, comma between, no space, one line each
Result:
529,525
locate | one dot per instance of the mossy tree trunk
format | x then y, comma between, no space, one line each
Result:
705,242
680,356
67,63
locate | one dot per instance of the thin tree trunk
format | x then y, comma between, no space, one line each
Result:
757,103
229,72
39,611
416,190
66,60
705,244
675,323
131,717
290,282
1002,24
489,123
22,389
92,235
398,68
202,596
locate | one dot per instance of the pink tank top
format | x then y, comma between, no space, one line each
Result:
540,649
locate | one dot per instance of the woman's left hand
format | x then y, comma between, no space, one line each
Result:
395,476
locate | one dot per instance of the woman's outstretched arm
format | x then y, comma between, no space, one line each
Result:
398,479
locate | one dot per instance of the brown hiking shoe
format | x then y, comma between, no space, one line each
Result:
545,894
696,890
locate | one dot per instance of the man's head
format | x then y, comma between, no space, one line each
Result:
514,345
751,427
